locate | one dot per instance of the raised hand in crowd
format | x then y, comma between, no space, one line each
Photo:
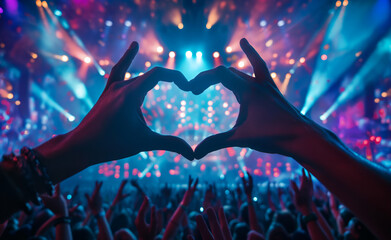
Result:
220,229
95,203
302,199
248,189
180,212
58,205
118,198
146,231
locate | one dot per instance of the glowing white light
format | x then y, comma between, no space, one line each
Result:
159,49
280,23
263,23
71,118
172,54
199,54
189,54
109,23
128,23
216,54
87,60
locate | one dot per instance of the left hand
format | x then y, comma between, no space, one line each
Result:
120,195
302,197
189,192
56,203
248,185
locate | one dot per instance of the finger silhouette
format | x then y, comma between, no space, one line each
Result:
214,143
119,69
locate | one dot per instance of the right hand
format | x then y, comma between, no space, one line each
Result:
267,122
219,231
95,201
145,230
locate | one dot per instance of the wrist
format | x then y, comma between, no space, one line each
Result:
57,153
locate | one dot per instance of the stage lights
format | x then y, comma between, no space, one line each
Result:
172,54
87,60
189,54
147,64
241,64
128,23
281,23
302,60
58,13
269,43
262,23
127,76
228,49
109,23
216,54
64,58
159,49
199,54
323,57
180,25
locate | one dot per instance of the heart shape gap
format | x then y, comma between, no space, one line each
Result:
170,111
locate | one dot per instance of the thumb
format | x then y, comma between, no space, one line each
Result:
214,143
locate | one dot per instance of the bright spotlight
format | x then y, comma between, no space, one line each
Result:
159,49
64,58
147,64
109,23
102,72
216,54
199,54
228,49
180,25
87,60
208,26
128,75
241,64
323,117
189,54
280,23
44,4
263,23
128,23
71,118
58,13
171,54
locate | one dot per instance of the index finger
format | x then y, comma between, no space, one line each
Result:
259,66
149,80
203,228
214,76
214,224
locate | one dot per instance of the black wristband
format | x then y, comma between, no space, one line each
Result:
61,220
309,218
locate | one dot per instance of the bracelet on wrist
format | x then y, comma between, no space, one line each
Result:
61,220
309,218
23,178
